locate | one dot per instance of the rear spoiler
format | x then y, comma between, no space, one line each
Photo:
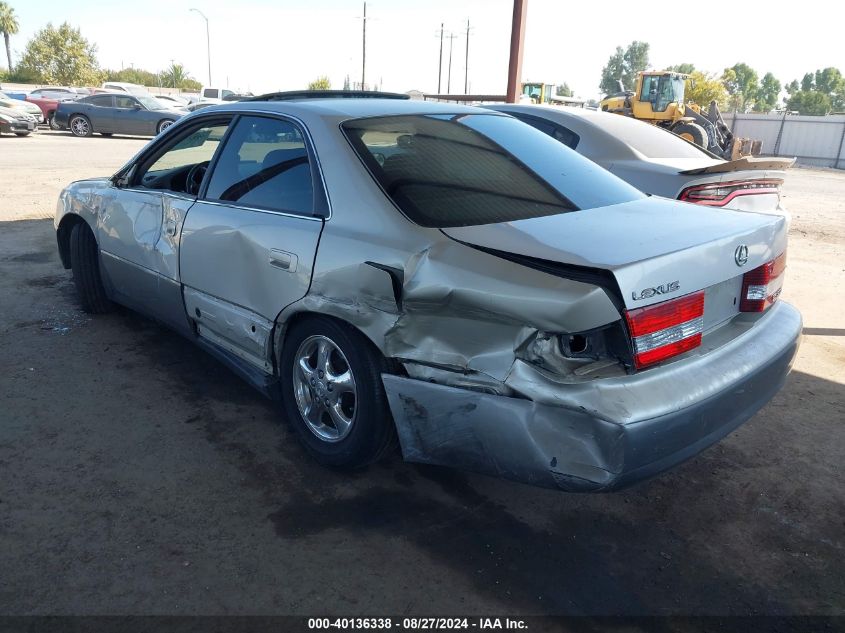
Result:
740,164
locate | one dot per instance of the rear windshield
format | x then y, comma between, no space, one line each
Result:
465,170
649,140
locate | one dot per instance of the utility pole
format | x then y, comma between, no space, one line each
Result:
364,53
440,61
466,64
520,11
451,37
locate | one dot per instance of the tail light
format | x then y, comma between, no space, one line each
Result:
718,194
761,287
664,330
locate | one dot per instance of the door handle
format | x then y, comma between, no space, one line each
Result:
284,260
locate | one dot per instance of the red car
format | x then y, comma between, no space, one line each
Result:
49,102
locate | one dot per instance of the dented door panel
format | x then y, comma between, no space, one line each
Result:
247,259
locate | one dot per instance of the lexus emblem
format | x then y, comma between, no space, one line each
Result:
741,255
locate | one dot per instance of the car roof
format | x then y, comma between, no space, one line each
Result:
345,108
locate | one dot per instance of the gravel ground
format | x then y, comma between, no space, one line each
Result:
139,476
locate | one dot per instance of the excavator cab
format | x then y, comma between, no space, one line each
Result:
537,92
659,96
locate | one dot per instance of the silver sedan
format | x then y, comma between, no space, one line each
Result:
659,162
444,275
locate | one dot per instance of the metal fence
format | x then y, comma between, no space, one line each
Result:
813,140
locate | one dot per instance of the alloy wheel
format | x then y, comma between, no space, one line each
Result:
324,388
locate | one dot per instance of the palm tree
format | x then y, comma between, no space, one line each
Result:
8,26
175,75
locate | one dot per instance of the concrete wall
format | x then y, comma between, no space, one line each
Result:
813,140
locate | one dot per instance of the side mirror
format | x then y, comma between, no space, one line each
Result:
122,179
136,106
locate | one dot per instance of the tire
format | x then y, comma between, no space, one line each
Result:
85,263
163,125
51,121
370,432
692,132
80,126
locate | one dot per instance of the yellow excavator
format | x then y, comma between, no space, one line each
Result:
659,99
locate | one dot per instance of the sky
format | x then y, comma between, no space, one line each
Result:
263,45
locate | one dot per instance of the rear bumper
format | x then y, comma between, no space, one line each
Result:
592,448
15,127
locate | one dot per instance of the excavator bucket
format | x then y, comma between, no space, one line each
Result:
744,147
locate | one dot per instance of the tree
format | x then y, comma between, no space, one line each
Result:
8,26
347,83
133,76
830,81
684,69
624,65
793,86
320,83
61,56
175,76
809,102
702,89
741,82
808,83
563,90
767,94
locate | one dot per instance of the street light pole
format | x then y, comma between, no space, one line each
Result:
364,51
207,42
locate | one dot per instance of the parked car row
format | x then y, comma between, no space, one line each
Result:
446,275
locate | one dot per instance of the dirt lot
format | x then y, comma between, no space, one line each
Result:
139,476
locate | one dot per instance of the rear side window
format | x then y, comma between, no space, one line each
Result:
104,101
556,131
465,170
264,164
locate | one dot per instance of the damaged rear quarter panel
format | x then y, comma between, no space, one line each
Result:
419,295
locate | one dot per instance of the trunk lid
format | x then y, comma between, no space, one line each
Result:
656,249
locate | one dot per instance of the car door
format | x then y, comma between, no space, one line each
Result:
248,244
141,219
100,111
128,115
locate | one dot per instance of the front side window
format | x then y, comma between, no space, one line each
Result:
264,165
180,166
464,170
127,103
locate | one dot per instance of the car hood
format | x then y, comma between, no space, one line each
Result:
15,113
644,243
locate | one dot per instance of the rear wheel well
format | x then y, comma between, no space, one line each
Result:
394,366
63,236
